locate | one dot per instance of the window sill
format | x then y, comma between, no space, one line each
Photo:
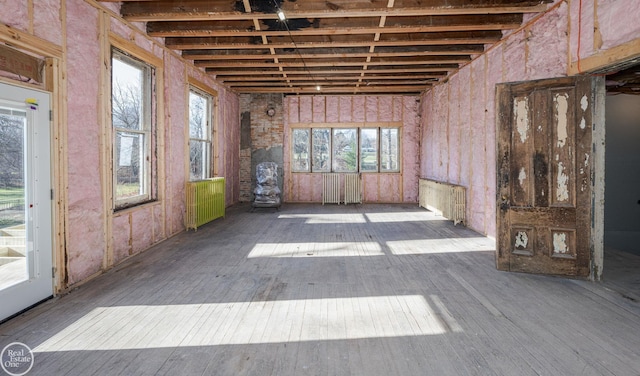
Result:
126,210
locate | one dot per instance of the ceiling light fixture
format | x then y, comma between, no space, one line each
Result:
281,15
318,87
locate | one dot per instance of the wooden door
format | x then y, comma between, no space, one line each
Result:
544,182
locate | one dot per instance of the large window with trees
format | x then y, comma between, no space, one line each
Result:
345,149
200,132
131,110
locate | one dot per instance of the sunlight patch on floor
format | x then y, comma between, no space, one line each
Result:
418,216
432,246
285,321
316,249
326,218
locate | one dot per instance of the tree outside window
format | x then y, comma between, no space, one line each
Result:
346,149
300,157
131,120
200,120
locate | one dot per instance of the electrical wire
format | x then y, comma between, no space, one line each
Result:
295,45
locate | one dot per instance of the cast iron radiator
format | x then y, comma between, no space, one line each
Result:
447,200
205,202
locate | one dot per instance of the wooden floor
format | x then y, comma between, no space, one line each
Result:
330,290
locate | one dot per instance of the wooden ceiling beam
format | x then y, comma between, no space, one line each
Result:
321,78
406,89
328,56
140,12
333,31
334,63
310,82
183,44
262,72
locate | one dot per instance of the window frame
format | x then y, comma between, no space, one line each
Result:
359,128
147,130
398,140
207,141
293,150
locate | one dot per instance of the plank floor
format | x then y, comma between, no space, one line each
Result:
329,290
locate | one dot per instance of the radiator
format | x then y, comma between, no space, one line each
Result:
330,189
444,199
205,201
352,189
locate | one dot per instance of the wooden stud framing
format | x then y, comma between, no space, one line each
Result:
599,61
106,133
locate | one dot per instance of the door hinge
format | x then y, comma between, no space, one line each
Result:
50,115
53,272
52,194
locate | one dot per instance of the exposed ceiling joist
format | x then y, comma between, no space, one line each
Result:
344,46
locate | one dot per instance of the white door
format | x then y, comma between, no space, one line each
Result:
26,276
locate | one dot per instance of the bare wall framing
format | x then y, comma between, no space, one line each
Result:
332,111
75,37
458,122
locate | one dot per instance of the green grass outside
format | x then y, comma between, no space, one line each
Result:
11,193
127,190
9,218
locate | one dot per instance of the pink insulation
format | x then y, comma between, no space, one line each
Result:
618,20
371,108
121,238
514,52
121,29
454,134
371,185
15,14
440,124
545,58
292,106
332,109
306,109
346,113
142,229
397,109
582,24
385,108
478,158
410,152
46,20
319,109
426,162
85,226
358,109
465,127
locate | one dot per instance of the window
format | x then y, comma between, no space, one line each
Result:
389,150
369,150
131,109
300,161
200,120
321,149
345,149
345,155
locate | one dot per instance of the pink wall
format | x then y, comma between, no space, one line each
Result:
393,187
458,122
85,225
94,233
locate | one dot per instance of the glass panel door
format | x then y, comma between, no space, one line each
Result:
13,255
25,199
